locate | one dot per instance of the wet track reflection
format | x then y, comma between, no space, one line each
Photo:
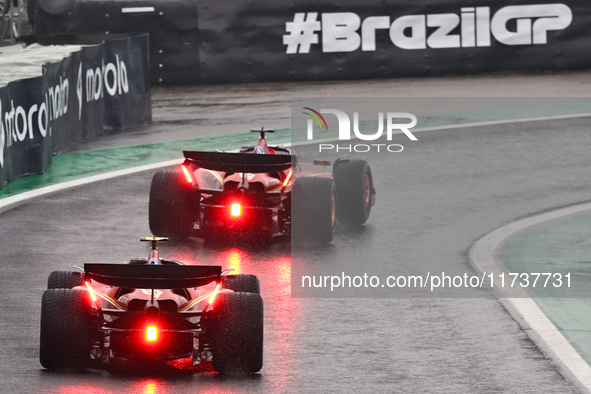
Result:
433,203
272,264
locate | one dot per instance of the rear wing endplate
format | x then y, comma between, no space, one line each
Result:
153,276
240,162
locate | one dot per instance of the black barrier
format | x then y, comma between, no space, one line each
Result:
125,87
100,87
213,41
376,39
69,122
25,146
172,24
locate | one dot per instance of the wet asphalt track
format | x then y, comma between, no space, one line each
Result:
435,199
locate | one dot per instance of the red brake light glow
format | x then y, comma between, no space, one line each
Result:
187,174
286,182
91,292
151,333
235,210
214,293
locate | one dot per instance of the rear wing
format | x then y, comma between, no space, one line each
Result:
153,276
240,162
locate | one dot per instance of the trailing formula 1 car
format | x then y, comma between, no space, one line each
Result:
262,192
151,310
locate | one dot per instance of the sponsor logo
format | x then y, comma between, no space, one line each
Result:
58,99
18,124
393,125
346,32
92,83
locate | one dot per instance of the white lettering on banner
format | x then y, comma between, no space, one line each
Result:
18,124
111,87
79,91
301,31
441,38
42,115
340,30
416,24
111,77
21,132
368,31
468,27
58,99
550,17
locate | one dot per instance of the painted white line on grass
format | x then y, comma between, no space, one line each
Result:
523,308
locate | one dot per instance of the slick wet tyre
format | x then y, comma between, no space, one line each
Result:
355,189
242,283
64,280
236,324
65,329
313,209
169,212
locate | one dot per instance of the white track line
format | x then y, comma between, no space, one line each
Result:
8,203
524,309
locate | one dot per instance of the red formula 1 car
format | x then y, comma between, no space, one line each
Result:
261,192
151,310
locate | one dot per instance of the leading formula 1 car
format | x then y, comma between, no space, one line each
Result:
261,192
151,310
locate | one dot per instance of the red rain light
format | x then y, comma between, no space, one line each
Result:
91,292
235,210
214,293
187,174
151,333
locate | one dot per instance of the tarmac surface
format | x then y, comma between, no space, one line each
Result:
186,112
434,201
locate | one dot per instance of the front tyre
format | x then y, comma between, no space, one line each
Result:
65,329
355,190
236,324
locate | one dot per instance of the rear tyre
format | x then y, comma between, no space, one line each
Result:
313,209
169,208
237,332
64,280
65,329
355,190
242,283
